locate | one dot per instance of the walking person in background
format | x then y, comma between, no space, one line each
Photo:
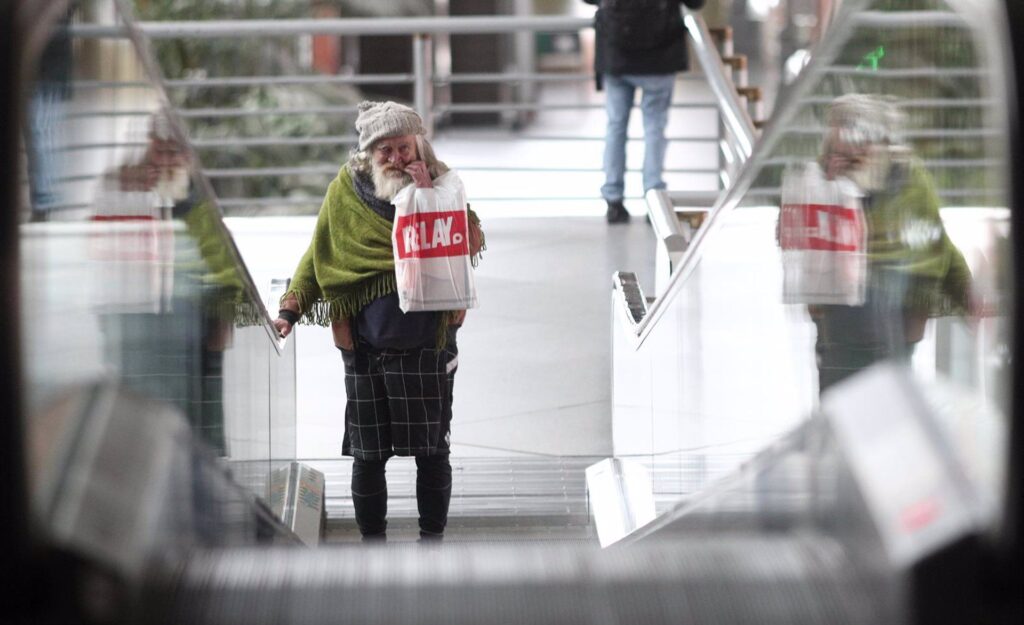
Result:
399,367
51,92
641,44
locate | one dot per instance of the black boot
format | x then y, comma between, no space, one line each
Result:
617,213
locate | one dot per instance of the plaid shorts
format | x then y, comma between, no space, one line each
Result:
399,401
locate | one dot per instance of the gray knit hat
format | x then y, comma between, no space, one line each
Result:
378,120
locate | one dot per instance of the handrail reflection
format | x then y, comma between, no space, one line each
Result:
780,126
152,70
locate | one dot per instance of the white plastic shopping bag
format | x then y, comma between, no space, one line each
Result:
431,245
823,237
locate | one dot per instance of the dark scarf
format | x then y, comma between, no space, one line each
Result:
365,189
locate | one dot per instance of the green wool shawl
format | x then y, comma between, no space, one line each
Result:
349,262
906,236
225,293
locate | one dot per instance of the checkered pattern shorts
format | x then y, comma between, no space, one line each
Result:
399,401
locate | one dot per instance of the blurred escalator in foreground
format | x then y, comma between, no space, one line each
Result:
864,254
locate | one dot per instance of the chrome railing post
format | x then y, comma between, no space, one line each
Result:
423,79
526,62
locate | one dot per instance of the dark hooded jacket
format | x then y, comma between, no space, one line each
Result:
664,59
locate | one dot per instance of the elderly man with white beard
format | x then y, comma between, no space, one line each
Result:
399,367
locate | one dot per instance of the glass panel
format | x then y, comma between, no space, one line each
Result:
128,272
872,225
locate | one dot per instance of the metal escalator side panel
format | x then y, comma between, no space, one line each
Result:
742,579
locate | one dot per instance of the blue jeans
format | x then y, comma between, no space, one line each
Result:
656,95
43,146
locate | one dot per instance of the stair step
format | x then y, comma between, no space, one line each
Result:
753,94
526,495
405,531
721,32
723,37
528,490
692,218
736,62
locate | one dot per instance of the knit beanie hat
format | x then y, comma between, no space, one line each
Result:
377,120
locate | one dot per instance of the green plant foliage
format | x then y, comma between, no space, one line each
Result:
252,57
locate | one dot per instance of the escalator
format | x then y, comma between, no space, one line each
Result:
157,402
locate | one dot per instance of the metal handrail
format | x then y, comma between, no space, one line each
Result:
669,234
776,192
899,19
352,139
318,199
317,79
422,78
908,72
735,115
918,133
779,127
331,169
363,26
481,107
945,163
917,102
737,145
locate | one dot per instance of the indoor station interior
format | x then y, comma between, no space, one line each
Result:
776,386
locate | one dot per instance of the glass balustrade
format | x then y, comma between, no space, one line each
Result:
128,274
870,225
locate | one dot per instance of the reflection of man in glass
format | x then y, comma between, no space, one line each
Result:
51,89
914,270
162,172
172,350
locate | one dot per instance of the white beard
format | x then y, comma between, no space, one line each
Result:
386,187
873,175
173,185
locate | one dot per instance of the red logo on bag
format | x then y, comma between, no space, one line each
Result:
919,515
821,227
432,235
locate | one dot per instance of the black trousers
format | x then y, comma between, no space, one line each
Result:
398,401
852,338
433,494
